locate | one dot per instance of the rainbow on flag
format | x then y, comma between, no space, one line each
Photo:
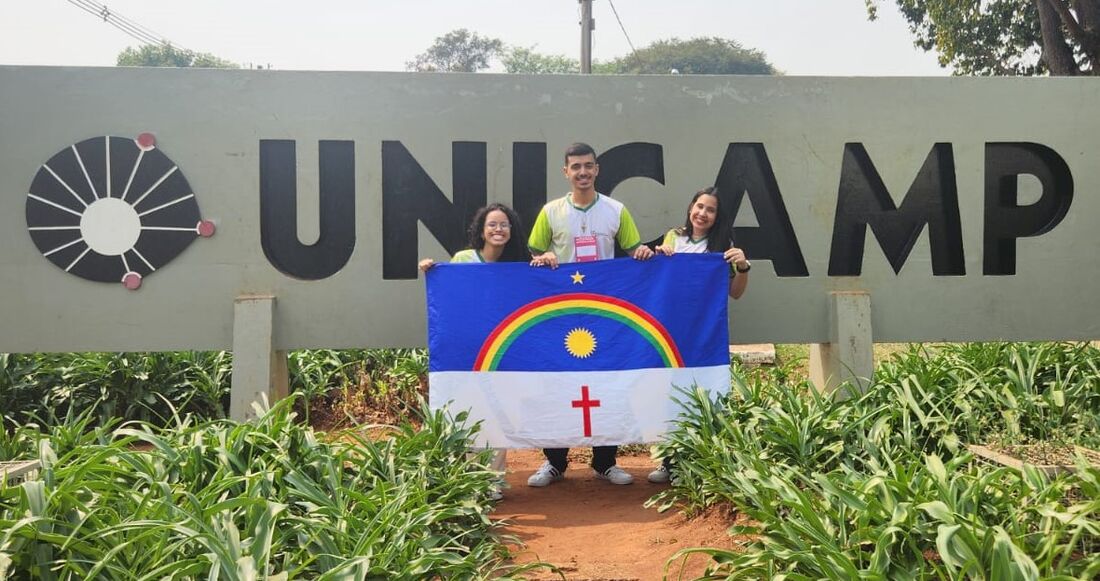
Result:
587,354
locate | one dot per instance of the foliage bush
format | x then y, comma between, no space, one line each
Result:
265,499
358,385
880,485
49,389
876,485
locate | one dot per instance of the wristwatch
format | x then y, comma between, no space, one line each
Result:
748,267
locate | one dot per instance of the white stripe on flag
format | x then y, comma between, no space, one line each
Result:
528,409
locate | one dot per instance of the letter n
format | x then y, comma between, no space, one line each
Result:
409,195
863,201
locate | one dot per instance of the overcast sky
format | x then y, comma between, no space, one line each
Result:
800,37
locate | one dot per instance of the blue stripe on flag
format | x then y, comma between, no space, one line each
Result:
686,294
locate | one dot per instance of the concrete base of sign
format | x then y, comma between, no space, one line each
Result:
259,371
16,472
849,356
754,354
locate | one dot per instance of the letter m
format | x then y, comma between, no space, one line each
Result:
864,201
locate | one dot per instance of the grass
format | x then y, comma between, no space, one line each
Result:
795,357
880,486
48,388
341,388
266,499
144,479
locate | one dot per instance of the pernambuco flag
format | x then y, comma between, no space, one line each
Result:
584,355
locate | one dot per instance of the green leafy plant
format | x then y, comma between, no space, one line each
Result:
880,485
264,499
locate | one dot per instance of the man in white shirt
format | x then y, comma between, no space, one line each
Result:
582,226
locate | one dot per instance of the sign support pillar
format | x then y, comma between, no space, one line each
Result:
848,357
259,371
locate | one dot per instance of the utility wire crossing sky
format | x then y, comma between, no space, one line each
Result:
799,37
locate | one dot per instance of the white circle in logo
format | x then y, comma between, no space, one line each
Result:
110,226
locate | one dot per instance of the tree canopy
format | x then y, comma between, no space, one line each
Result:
166,55
1006,37
459,51
698,56
526,61
463,51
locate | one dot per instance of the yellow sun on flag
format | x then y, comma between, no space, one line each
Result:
580,343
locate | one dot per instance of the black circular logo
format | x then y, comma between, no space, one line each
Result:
113,209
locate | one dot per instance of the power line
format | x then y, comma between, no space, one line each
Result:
623,28
119,21
140,33
107,17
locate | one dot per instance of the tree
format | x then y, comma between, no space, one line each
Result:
526,61
458,51
166,55
1006,37
698,56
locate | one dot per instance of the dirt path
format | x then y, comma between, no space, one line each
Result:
596,531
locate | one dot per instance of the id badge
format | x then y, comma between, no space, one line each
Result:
585,249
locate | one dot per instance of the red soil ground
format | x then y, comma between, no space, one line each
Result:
595,531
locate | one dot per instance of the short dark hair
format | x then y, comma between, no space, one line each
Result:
516,248
578,149
720,236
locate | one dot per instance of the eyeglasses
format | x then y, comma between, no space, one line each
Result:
498,226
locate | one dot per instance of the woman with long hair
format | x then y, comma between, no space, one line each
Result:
706,228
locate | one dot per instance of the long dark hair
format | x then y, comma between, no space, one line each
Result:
720,236
516,248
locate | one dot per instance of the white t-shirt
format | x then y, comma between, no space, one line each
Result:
684,243
560,225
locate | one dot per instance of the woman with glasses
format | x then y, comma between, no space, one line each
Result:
495,235
706,229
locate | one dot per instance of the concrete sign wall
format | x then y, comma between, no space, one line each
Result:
137,204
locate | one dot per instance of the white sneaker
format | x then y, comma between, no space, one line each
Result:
615,475
659,476
544,476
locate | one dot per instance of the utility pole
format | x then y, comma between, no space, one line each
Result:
587,26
